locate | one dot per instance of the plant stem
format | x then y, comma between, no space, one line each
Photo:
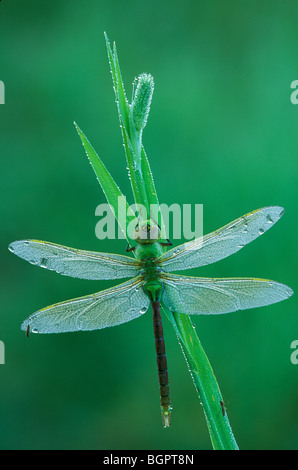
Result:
143,187
220,431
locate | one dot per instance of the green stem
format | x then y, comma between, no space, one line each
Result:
139,169
220,431
144,192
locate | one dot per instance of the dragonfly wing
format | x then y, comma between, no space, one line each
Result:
223,242
203,296
75,263
109,307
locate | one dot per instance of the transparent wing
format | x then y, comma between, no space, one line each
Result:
203,296
223,242
75,263
110,307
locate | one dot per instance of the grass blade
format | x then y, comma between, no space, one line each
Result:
138,165
220,431
109,187
145,193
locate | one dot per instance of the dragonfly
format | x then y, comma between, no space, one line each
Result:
152,283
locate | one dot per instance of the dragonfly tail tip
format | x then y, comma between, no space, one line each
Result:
166,418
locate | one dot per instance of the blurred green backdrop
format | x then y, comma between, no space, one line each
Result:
223,132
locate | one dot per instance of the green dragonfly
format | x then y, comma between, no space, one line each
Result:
152,283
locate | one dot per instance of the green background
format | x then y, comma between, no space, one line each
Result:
222,132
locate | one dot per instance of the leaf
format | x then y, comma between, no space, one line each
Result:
135,173
123,103
138,165
220,431
109,187
152,198
124,118
121,100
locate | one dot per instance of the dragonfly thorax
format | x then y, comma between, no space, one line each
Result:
150,272
148,253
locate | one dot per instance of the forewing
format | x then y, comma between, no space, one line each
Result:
223,242
75,263
110,307
203,296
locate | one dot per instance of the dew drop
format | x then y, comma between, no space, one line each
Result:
269,220
261,231
143,310
34,330
43,263
245,225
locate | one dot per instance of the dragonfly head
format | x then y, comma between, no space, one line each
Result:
146,232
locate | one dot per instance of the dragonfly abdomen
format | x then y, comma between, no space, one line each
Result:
153,289
162,367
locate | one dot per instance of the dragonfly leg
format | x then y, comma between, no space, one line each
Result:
167,243
130,248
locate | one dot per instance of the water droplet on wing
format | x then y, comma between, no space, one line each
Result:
269,220
245,229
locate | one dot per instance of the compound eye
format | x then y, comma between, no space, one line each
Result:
154,232
147,232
